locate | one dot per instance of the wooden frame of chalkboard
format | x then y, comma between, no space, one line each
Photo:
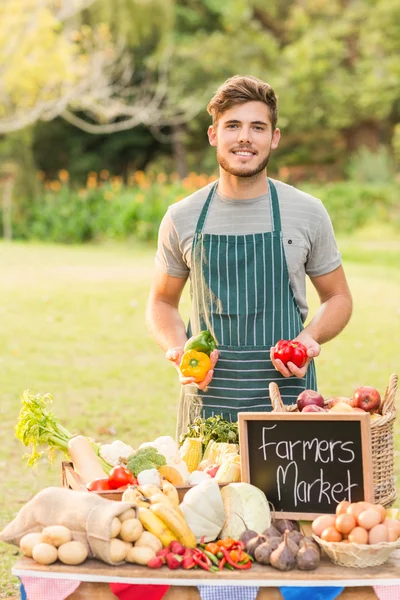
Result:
306,463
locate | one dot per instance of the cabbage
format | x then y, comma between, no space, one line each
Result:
246,507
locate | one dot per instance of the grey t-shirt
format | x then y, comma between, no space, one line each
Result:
308,237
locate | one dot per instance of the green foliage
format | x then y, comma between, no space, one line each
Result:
114,211
352,205
366,166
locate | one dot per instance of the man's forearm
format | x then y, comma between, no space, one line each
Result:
331,317
166,325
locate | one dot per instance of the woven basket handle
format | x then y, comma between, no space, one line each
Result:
389,399
276,399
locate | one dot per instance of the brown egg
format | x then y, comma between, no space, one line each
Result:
354,509
365,505
393,527
381,510
358,535
378,534
342,507
369,518
345,523
322,522
331,534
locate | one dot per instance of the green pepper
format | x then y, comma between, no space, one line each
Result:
202,342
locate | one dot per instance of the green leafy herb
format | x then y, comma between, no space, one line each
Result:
213,428
36,426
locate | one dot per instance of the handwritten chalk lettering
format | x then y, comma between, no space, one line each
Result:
320,490
324,451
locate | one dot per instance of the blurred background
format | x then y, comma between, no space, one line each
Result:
103,107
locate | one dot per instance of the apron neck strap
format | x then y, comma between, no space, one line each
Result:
275,212
274,203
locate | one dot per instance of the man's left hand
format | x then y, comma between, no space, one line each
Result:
313,350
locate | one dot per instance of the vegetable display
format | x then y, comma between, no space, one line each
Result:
202,342
291,351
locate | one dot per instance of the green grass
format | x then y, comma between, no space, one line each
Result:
72,324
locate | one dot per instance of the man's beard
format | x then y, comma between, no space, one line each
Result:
243,171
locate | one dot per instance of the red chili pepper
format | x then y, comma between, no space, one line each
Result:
200,563
221,563
231,562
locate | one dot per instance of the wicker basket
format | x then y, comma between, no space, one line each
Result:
382,440
347,554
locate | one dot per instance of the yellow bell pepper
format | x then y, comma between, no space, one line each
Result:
195,364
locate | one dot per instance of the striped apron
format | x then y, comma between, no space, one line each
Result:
241,292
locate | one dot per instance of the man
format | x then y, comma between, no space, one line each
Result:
247,243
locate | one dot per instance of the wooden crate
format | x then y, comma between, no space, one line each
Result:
71,479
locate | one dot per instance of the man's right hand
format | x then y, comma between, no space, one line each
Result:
175,356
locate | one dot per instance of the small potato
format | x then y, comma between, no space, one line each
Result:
131,530
115,527
56,535
150,540
72,553
128,514
140,556
44,554
118,550
28,542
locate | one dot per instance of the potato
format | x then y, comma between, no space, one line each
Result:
150,540
72,553
115,527
118,550
44,554
140,555
128,514
56,535
28,542
131,530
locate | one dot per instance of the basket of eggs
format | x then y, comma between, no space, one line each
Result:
359,535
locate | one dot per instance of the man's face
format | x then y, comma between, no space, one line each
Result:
244,139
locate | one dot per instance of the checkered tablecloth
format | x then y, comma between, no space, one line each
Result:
35,588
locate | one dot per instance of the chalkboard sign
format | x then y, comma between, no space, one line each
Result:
307,463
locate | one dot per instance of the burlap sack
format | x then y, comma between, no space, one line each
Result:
87,515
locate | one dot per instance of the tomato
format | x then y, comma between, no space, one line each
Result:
119,477
291,351
98,485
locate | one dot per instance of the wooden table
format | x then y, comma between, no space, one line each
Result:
95,577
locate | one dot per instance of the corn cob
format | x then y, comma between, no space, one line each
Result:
191,452
175,523
151,522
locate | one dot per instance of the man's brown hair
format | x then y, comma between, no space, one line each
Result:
240,89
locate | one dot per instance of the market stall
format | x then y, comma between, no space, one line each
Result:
279,503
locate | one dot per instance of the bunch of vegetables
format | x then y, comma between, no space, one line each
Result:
196,361
282,546
227,553
158,512
213,428
37,426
